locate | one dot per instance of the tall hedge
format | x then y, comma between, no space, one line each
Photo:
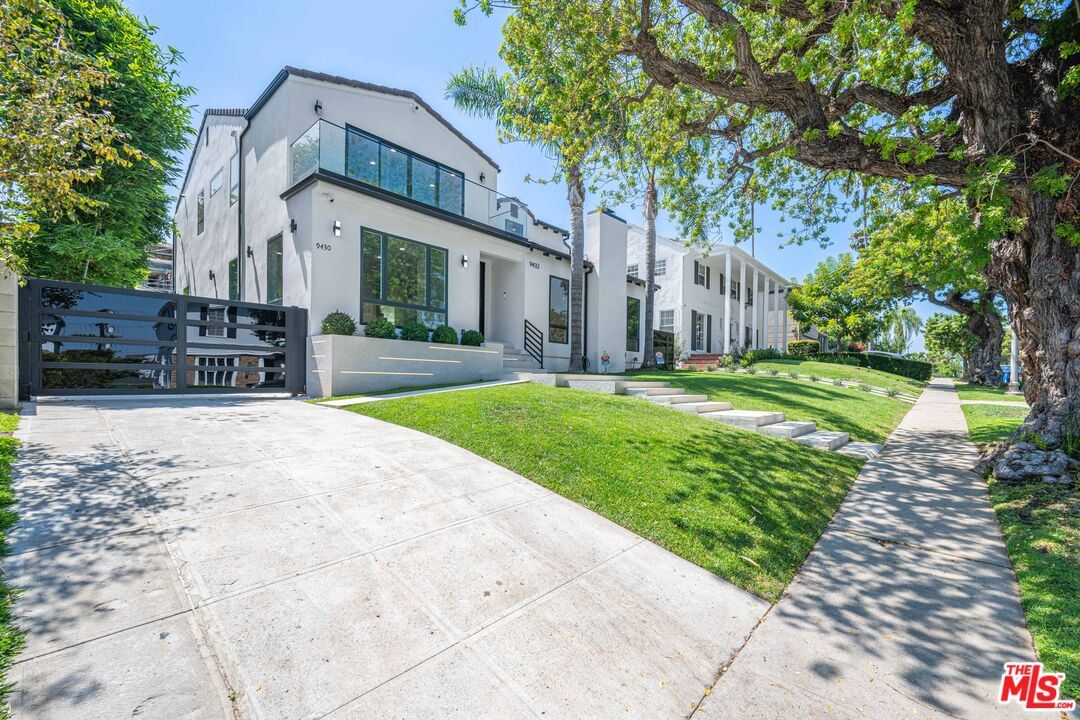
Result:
803,348
914,369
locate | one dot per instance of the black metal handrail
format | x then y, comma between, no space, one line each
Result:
534,343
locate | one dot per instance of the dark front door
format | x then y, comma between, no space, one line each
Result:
483,294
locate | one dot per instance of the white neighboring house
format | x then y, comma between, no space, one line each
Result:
700,295
334,194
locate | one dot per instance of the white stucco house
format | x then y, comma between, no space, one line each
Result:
334,194
718,300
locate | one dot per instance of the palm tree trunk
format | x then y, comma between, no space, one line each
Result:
650,266
575,195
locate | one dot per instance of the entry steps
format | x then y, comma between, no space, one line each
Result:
515,360
773,424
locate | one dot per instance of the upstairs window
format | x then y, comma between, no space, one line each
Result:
200,213
633,270
701,274
216,182
660,268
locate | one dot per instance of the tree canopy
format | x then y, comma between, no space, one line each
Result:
828,300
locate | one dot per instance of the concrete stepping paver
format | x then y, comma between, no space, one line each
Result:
823,439
907,607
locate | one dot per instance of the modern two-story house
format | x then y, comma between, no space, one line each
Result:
717,301
333,194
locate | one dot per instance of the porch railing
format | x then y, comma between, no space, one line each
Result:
534,343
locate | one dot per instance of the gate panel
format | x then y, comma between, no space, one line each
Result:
91,339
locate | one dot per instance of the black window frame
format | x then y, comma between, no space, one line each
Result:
234,279
410,156
200,212
636,337
428,306
552,279
280,239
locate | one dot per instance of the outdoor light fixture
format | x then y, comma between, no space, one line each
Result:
482,177
250,252
292,225
337,228
465,261
318,107
212,275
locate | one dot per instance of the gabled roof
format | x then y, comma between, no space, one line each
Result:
371,87
228,112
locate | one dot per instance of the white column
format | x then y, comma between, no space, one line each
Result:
727,302
755,311
784,337
765,337
741,304
1014,352
776,316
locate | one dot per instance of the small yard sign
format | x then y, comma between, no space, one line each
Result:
659,358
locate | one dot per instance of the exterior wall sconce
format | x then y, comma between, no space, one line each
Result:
337,228
318,107
292,225
250,253
212,275
482,177
465,261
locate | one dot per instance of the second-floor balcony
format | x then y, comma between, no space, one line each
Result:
365,158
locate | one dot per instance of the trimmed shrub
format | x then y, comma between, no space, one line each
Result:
338,323
838,382
904,367
774,372
865,388
473,338
813,378
415,332
803,348
444,334
380,327
751,370
892,392
793,375
753,356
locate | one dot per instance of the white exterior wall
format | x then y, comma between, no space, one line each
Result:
196,254
605,247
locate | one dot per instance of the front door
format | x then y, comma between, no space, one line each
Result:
483,295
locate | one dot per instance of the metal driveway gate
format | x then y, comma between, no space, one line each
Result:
89,339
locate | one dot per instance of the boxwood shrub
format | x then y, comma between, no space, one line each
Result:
415,332
338,323
803,348
753,356
444,334
380,327
472,337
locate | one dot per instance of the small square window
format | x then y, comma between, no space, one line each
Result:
633,270
660,268
667,320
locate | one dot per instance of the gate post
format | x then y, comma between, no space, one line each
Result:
9,337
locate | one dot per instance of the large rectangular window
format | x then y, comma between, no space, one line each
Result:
200,213
633,324
234,279
402,280
558,310
274,271
660,268
375,162
234,178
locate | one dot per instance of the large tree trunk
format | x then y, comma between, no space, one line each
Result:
650,267
1038,273
985,366
575,195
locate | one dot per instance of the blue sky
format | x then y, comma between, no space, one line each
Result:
233,50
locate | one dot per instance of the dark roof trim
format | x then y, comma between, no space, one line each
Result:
605,211
227,112
338,80
372,191
634,280
549,226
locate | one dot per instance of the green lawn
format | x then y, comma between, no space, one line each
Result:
1041,526
847,372
408,388
863,416
988,424
11,638
744,506
981,392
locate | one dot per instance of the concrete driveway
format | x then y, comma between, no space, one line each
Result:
271,559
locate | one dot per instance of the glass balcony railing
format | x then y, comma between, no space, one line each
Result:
363,157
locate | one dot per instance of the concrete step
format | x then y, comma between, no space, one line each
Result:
674,400
706,406
643,391
637,384
748,419
823,439
861,449
788,429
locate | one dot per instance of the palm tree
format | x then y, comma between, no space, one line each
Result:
902,322
482,92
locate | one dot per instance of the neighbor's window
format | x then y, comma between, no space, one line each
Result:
701,274
216,182
660,268
667,320
633,324
558,310
402,280
234,178
234,279
274,271
632,270
200,213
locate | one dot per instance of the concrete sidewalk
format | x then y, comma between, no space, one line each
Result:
907,607
199,559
